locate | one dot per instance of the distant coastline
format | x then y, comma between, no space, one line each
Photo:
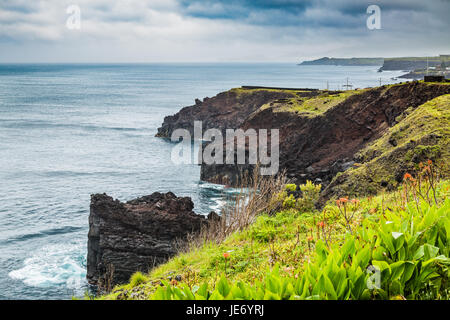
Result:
414,67
325,61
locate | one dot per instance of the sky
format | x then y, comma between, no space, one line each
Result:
218,30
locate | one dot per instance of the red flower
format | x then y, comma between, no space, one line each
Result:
355,201
407,176
226,255
310,238
430,162
321,224
343,200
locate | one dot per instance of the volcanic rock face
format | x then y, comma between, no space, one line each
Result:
315,147
320,147
137,235
227,110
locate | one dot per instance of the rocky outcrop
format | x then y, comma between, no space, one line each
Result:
227,110
136,235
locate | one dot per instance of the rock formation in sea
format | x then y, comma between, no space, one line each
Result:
136,235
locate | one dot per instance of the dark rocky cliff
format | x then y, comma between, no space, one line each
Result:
225,111
318,145
137,235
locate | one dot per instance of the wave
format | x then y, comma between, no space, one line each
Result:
58,264
40,124
44,233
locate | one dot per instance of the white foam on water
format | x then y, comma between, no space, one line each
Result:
56,264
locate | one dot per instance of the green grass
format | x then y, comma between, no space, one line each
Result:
311,106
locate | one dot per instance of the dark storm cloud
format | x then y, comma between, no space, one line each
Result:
317,13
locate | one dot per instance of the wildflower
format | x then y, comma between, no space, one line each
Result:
226,255
343,200
421,165
430,162
310,238
407,176
321,224
289,269
355,201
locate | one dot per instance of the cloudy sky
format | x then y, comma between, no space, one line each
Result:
218,30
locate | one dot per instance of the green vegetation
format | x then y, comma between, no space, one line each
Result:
422,133
137,279
311,106
392,246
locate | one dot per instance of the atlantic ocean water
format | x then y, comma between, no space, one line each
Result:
70,130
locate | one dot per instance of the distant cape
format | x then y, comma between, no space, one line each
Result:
344,62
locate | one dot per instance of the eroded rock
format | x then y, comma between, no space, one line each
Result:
136,235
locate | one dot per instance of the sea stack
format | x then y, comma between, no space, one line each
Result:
136,235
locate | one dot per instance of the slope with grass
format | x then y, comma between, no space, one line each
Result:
420,134
321,134
394,246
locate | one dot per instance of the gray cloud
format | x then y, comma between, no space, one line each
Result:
219,30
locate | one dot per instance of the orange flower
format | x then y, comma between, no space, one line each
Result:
338,203
343,200
310,238
226,255
407,176
321,224
421,165
355,201
430,162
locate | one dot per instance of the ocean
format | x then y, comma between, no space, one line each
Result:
70,130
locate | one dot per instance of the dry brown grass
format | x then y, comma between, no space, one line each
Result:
256,196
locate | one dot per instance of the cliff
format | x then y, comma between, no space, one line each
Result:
226,110
136,235
322,132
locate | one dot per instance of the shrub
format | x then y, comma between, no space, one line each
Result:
310,196
291,187
137,279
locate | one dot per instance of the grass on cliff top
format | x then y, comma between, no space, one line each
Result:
311,106
286,239
242,91
421,134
